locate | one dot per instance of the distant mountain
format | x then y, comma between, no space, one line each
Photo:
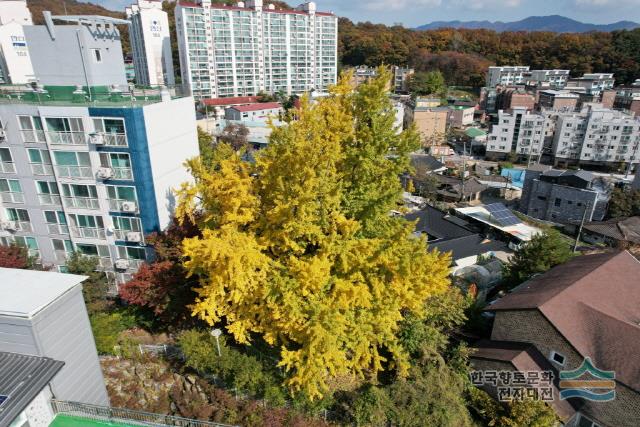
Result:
554,23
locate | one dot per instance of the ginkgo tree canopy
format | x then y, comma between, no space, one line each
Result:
301,249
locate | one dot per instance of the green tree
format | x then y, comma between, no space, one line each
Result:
519,413
543,252
429,83
107,329
236,135
95,287
624,203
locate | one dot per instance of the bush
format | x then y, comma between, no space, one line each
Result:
107,328
234,368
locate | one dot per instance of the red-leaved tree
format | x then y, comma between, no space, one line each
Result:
14,257
162,289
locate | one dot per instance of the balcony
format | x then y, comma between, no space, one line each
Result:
125,174
33,136
12,197
88,233
58,229
13,226
49,199
7,167
129,236
81,203
121,205
72,414
109,139
74,172
67,138
41,169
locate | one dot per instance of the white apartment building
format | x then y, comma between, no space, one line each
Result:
506,76
555,79
91,176
594,83
521,132
150,43
15,61
596,136
242,50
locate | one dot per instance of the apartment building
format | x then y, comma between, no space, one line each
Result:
401,78
506,76
593,83
229,51
15,62
596,136
628,99
520,131
558,100
150,43
91,173
554,79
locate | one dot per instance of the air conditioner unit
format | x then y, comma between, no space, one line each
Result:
105,173
134,236
122,264
9,225
96,139
128,207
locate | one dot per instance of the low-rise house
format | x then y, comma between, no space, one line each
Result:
258,112
453,189
585,309
619,232
461,116
558,100
564,196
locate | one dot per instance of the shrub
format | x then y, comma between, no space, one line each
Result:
107,328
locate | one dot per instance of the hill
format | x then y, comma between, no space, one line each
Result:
68,7
553,23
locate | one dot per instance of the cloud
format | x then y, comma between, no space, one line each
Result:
381,5
484,4
603,3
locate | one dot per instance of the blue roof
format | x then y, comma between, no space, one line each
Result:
515,175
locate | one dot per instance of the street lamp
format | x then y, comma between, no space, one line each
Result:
216,333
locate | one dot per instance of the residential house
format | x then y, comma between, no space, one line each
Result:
586,308
564,196
461,116
454,189
618,232
259,112
558,100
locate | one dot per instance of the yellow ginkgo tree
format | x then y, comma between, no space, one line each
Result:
284,255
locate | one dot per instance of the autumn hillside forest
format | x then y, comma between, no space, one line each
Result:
462,55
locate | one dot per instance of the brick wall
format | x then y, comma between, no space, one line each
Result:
532,327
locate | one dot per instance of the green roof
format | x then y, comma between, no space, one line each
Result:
475,132
62,420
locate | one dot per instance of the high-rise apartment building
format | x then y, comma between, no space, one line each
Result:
150,43
520,132
593,83
15,61
249,48
92,176
554,79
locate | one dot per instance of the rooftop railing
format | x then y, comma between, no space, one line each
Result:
125,416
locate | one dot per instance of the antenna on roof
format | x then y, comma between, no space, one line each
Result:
64,5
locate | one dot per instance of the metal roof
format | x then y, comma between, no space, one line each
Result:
22,378
26,292
80,19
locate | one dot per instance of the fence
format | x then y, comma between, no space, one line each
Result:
125,416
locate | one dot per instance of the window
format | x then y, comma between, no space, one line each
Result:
46,187
14,214
128,252
55,217
37,156
97,55
71,158
64,124
76,190
542,198
121,193
558,358
62,245
557,202
27,242
10,186
93,250
31,129
586,422
86,221
123,223
5,155
109,125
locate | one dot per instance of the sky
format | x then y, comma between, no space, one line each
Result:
412,13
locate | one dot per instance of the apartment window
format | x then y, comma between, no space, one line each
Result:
558,358
97,55
14,214
121,193
31,129
86,221
27,242
109,125
129,252
101,251
62,245
542,198
123,223
10,186
47,187
558,202
55,217
40,161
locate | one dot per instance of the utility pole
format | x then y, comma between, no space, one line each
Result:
464,168
584,218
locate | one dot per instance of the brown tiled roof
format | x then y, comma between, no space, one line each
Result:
258,106
622,229
234,100
523,357
594,302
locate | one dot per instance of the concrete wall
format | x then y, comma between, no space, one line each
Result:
539,201
172,138
16,61
432,125
69,59
62,332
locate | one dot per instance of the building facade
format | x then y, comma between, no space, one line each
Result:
593,83
596,136
520,132
92,177
15,61
150,43
242,50
506,76
554,79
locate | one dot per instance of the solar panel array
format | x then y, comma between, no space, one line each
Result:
502,215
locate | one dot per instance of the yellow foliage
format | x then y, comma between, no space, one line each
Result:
281,257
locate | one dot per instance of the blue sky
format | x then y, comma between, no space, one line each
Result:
412,13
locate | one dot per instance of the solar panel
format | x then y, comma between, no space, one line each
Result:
502,215
2,399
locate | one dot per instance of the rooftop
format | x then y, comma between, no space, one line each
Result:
94,96
233,100
594,302
37,289
258,106
521,231
22,377
621,229
437,224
